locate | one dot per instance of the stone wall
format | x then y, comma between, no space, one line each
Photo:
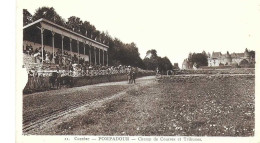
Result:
88,80
219,71
36,84
203,78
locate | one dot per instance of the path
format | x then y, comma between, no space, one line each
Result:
59,114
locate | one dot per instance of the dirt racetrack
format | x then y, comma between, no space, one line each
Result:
216,105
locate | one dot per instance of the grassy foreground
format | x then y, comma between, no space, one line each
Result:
194,106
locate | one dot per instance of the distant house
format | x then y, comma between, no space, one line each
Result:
218,59
195,66
186,64
176,66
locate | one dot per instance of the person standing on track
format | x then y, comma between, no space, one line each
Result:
133,76
129,75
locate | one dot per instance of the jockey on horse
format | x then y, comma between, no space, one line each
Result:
55,79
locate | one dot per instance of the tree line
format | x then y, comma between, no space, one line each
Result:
119,52
154,62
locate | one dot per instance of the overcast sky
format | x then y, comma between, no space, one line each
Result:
172,27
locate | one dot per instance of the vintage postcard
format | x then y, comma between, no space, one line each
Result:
137,71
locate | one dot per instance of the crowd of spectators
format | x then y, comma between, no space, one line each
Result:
77,70
57,58
66,64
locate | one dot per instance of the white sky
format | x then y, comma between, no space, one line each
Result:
172,27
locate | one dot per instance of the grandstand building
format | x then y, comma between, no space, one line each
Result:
52,41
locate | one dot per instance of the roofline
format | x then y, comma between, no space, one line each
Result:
63,28
30,24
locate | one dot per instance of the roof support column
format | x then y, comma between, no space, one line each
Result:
62,37
103,57
84,51
42,42
53,33
95,55
107,58
89,54
84,48
99,57
70,49
78,50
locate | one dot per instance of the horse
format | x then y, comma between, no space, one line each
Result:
67,81
131,76
55,80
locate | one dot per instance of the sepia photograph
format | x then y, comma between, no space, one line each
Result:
133,70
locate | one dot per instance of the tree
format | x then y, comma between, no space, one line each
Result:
124,53
133,55
27,17
151,53
91,31
164,64
75,24
102,37
50,14
201,59
150,64
96,35
83,28
152,61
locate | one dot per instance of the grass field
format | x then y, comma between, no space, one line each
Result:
170,106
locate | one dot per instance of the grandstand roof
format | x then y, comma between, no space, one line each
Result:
46,24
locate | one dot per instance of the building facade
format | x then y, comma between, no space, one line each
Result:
218,59
186,64
45,36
